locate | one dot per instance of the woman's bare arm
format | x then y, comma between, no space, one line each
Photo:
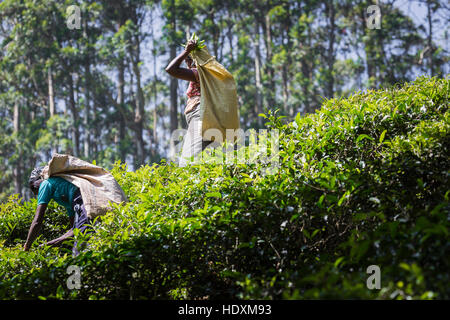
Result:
35,226
58,241
174,68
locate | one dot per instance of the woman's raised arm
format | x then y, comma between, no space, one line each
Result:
174,68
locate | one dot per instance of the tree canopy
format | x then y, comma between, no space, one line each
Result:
99,91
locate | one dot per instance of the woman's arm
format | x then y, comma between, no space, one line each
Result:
35,226
58,241
69,234
174,66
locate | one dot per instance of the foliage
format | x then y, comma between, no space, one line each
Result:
199,44
16,217
363,181
98,90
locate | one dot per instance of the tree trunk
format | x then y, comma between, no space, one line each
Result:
230,41
120,138
307,66
153,134
120,101
139,110
331,13
270,72
51,96
155,114
173,95
285,88
369,51
258,96
51,103
430,37
287,65
215,32
75,130
173,105
87,110
17,170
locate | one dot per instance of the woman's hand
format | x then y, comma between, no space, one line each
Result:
190,45
174,66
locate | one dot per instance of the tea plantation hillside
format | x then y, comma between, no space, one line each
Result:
363,181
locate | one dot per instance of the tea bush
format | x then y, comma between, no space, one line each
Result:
16,218
363,181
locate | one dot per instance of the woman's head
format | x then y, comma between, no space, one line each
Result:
35,180
190,63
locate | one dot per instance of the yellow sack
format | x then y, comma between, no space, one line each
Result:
97,186
219,101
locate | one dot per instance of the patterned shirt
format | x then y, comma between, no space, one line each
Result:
193,93
194,87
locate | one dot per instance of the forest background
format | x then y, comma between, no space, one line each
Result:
98,90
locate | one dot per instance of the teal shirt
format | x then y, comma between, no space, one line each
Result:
60,190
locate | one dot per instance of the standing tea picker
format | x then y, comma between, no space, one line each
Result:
84,189
212,105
